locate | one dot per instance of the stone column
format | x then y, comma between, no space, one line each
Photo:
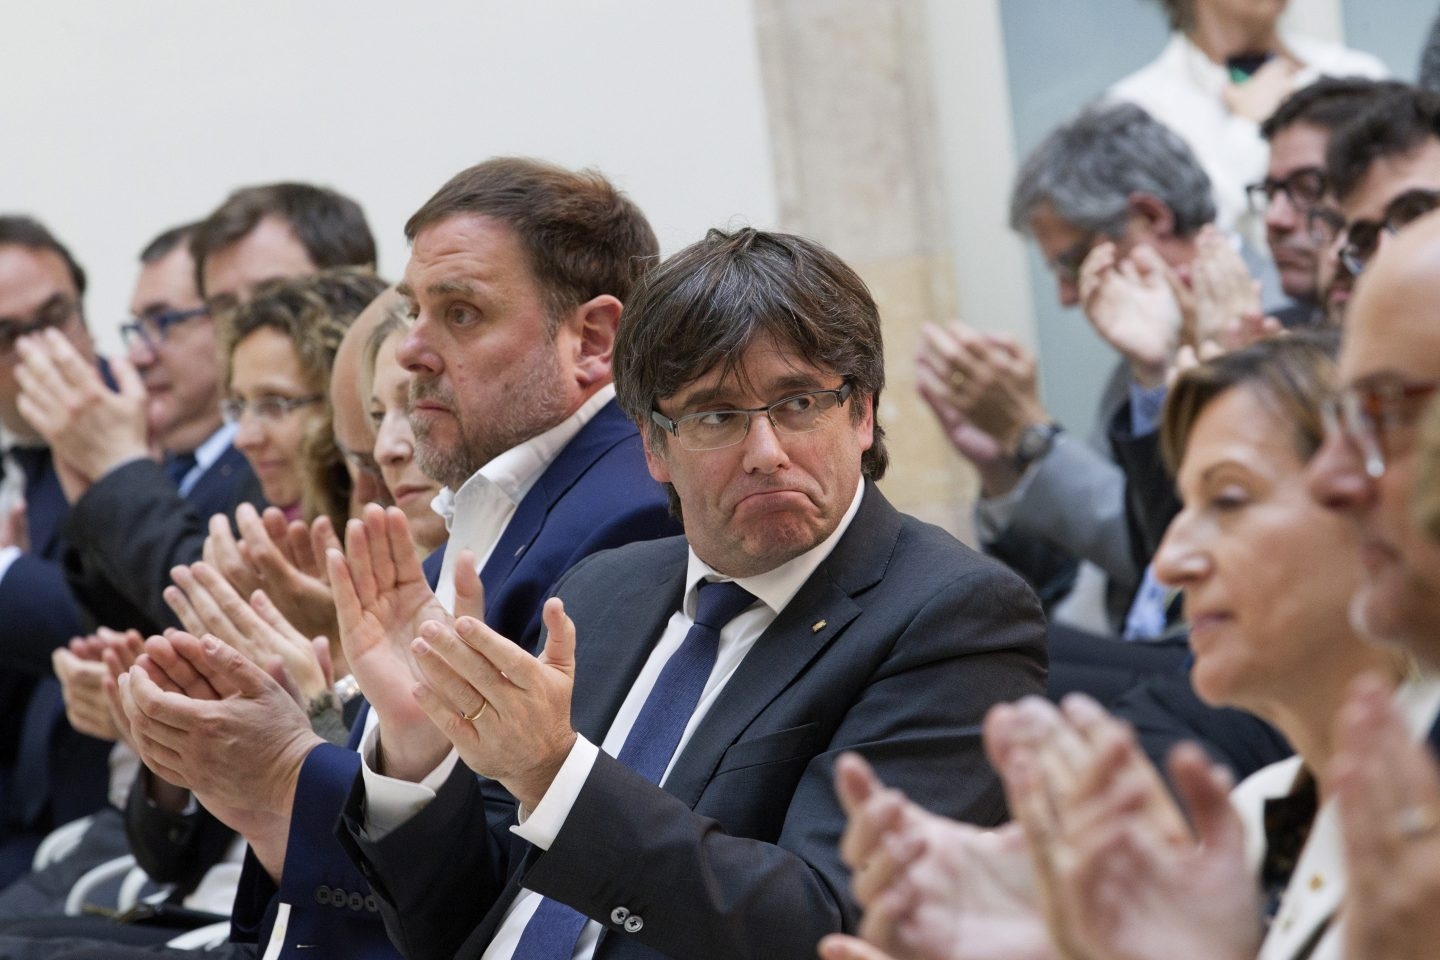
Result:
852,123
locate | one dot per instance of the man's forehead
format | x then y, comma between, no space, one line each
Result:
1390,176
762,371
1393,327
29,277
1296,147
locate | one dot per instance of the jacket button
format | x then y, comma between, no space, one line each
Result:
619,915
633,924
322,896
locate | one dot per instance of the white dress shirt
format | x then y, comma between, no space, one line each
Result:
477,514
206,454
774,590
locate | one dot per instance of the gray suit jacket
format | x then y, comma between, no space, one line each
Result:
896,647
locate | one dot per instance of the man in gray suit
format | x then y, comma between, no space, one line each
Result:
1116,183
671,762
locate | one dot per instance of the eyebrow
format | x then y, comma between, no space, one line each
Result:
54,300
780,389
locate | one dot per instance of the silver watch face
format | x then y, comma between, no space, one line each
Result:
1035,442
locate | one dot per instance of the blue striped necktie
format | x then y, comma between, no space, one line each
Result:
554,928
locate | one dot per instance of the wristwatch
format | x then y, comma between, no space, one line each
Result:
1035,441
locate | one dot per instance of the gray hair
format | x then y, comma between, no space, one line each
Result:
1088,167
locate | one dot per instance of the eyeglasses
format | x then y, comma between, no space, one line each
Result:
153,329
56,312
1369,415
1067,263
714,429
1324,225
1363,236
1303,188
271,408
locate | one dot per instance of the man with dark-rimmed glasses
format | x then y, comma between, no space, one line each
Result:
1383,169
51,773
1295,183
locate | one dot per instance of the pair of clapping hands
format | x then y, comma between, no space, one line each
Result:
205,715
206,602
982,386
1100,865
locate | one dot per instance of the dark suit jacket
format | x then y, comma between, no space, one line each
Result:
49,774
132,526
596,494
896,646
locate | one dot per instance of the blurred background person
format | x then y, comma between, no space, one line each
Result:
1226,68
387,385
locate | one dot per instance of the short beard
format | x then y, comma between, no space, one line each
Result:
533,401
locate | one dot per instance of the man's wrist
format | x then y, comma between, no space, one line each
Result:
1035,443
114,462
409,751
531,788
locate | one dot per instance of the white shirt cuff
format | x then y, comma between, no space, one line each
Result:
543,824
8,555
390,802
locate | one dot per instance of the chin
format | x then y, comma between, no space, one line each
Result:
1390,617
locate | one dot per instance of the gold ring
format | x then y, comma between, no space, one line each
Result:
471,718
1417,820
957,378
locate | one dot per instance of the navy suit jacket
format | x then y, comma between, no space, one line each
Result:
51,774
896,646
596,494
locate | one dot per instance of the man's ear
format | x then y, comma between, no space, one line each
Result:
1155,216
587,339
655,455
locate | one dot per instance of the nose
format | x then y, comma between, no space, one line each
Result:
1336,476
1280,214
417,351
764,452
393,446
250,432
1180,560
140,352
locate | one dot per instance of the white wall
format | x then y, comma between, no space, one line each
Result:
123,118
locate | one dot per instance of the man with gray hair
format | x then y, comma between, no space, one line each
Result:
1115,190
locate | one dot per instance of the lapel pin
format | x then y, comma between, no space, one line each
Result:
819,625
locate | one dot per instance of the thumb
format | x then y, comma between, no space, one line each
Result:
559,649
127,378
321,646
275,669
855,781
227,669
469,591
1204,788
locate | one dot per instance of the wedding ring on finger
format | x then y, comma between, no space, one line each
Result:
1417,820
957,379
479,711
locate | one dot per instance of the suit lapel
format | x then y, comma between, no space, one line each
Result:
611,649
608,427
1314,892
789,645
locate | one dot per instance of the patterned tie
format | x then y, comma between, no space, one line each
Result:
554,928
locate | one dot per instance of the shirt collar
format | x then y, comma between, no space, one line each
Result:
215,445
775,588
515,471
